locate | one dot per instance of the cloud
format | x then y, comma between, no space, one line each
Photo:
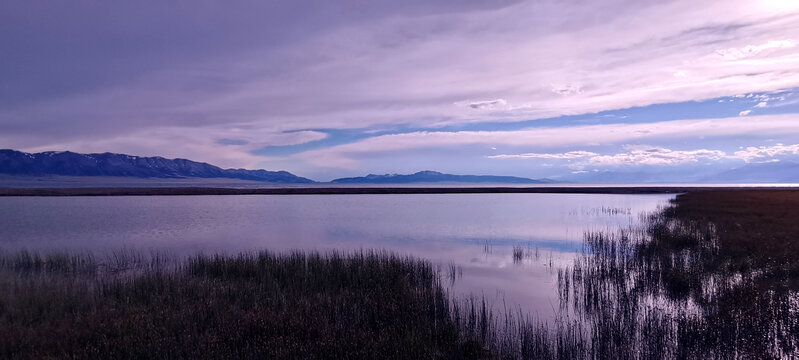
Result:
754,153
761,104
346,156
144,78
660,156
754,50
488,104
222,146
286,65
642,155
744,113
566,155
635,155
567,89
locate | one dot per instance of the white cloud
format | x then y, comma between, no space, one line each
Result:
744,113
635,155
346,156
660,156
567,89
754,50
656,156
761,104
754,153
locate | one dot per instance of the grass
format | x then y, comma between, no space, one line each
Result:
518,254
756,229
359,305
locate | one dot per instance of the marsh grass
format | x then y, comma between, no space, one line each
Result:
669,289
518,254
264,305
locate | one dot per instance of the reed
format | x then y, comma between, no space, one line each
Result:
255,305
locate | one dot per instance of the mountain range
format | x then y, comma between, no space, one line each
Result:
67,163
108,164
436,177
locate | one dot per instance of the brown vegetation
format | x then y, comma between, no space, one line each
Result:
758,228
264,306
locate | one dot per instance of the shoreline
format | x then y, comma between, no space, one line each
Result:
194,191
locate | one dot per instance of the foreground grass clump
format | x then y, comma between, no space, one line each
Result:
361,305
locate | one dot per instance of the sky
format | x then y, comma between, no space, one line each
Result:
327,89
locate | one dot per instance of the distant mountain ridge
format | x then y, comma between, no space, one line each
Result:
771,172
109,164
437,177
66,163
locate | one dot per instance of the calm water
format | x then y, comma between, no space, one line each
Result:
475,231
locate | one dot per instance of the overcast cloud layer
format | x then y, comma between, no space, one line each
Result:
338,88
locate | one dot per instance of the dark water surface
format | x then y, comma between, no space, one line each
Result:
509,246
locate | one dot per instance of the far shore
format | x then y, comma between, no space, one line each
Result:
155,191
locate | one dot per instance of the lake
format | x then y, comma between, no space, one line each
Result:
509,246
